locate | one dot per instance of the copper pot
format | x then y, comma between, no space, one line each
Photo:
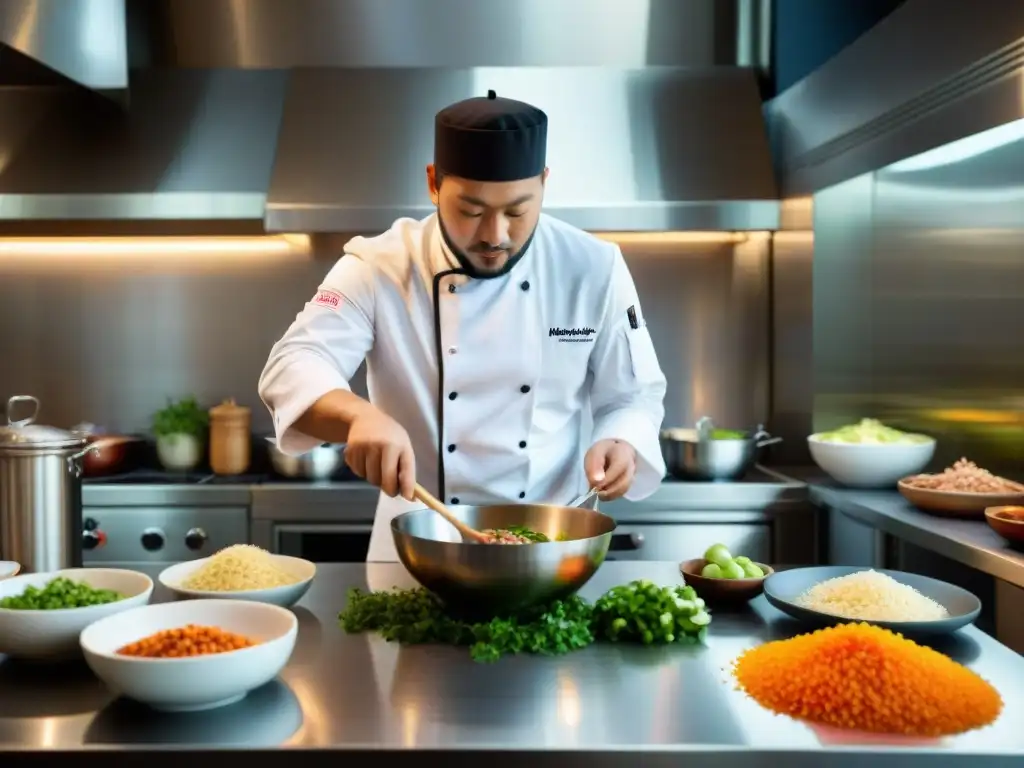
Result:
112,454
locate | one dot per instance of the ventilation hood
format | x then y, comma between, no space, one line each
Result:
317,115
657,148
45,42
193,145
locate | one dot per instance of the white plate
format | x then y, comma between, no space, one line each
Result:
54,634
195,682
285,596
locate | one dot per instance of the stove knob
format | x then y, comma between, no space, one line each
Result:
90,524
195,538
153,539
91,539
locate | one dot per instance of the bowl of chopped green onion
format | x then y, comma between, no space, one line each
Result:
42,614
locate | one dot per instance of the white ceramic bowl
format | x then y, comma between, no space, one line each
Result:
195,682
860,465
54,634
285,596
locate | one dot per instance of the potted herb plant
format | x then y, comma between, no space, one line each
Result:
179,429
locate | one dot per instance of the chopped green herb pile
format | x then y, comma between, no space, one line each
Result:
636,612
60,593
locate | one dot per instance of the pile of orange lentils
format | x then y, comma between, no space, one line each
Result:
190,640
866,678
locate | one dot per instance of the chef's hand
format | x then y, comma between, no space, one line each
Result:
379,451
610,466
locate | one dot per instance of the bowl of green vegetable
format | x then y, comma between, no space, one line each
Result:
719,577
870,454
42,614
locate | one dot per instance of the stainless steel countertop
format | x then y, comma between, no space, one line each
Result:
610,705
971,542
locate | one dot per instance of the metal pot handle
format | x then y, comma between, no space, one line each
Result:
762,438
704,427
75,459
28,419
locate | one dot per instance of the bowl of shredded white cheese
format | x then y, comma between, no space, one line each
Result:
903,602
242,572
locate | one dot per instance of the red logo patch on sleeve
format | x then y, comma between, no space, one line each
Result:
326,298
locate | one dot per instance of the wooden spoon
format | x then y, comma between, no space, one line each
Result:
469,535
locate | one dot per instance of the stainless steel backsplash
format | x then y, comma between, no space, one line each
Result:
108,337
919,301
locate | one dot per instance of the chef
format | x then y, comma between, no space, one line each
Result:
508,359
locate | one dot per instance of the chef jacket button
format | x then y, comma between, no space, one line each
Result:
452,395
525,285
522,494
525,388
451,448
455,499
522,443
452,350
451,288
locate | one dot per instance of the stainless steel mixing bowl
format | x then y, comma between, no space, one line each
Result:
501,579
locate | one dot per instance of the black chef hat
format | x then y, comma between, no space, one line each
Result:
490,139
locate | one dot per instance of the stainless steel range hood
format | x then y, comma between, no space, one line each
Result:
83,42
317,115
657,148
194,145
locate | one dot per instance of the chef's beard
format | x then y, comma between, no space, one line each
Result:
482,273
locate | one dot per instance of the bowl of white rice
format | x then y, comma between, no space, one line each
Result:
242,572
902,602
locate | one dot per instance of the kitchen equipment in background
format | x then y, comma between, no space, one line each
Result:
477,578
40,492
148,520
707,453
318,464
230,438
112,453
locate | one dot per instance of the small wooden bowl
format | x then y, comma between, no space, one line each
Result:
1009,526
723,590
955,504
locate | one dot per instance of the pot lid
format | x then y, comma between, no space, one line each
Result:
25,433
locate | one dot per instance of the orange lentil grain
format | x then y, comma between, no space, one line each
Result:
866,678
190,640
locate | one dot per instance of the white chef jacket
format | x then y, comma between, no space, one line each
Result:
502,384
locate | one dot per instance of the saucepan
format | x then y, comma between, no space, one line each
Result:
111,454
321,463
708,453
496,579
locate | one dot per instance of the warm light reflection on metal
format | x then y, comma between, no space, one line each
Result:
122,247
675,238
568,701
409,713
314,720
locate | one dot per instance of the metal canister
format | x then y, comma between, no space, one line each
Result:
40,492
